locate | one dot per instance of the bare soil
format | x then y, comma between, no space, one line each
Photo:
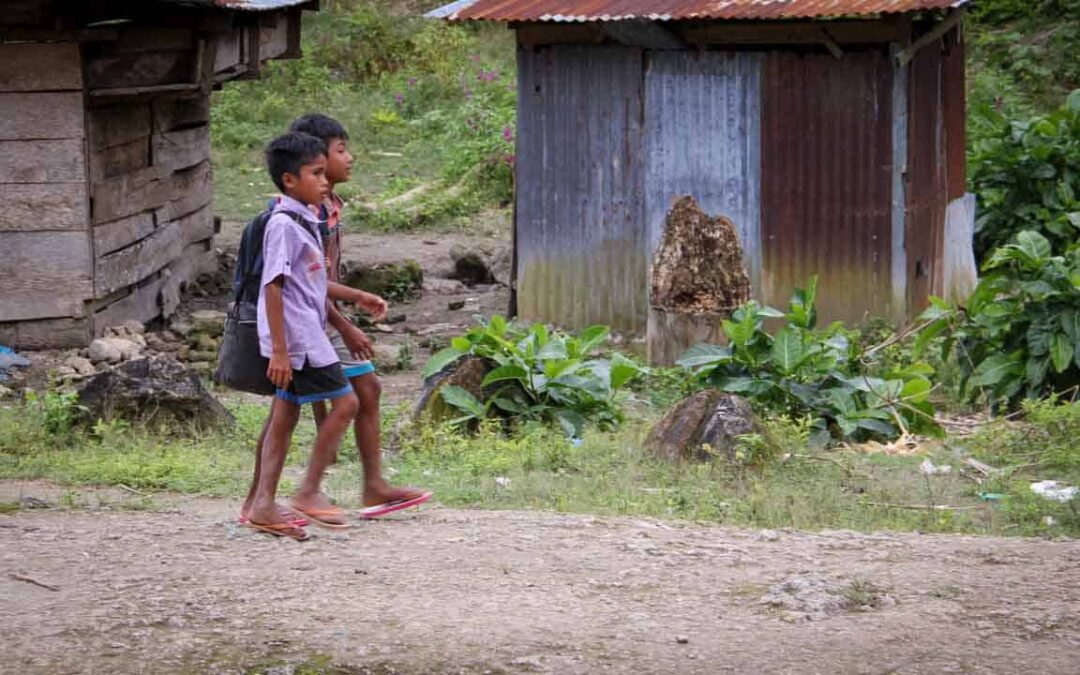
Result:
182,589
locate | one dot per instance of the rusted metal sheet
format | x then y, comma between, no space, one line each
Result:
926,186
826,180
580,239
702,138
674,10
953,91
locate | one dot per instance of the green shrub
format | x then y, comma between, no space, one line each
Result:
540,374
1019,334
800,371
1026,175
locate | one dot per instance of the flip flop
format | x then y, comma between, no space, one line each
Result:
280,530
317,517
291,517
394,505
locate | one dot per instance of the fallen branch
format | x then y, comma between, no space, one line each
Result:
30,580
922,507
133,490
852,473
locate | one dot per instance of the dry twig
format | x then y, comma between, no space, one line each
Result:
30,580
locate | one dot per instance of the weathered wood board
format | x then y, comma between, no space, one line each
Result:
143,303
41,116
141,69
185,192
44,207
58,161
40,67
182,149
44,276
173,113
118,234
120,159
119,124
45,333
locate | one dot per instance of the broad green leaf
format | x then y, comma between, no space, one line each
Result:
704,355
770,313
623,370
509,405
554,349
497,326
745,385
571,421
880,427
1061,352
1038,337
440,360
593,336
555,367
1033,245
503,373
787,350
993,370
927,335
1070,323
462,400
847,425
842,401
541,332
461,344
1035,370
916,390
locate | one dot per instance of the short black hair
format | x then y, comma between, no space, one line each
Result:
286,154
319,126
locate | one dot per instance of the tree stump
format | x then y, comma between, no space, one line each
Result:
698,279
702,427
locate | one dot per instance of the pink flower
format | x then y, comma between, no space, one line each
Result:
399,99
508,134
412,82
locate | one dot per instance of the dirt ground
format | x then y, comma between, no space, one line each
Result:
181,589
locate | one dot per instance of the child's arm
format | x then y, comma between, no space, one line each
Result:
280,370
355,339
369,302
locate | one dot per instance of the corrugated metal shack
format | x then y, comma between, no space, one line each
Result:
105,172
831,132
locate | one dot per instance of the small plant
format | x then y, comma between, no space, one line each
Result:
540,374
405,354
801,371
1019,335
59,410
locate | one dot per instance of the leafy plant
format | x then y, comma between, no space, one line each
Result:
1026,175
539,374
1019,334
59,410
800,371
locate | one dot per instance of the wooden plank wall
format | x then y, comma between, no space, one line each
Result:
46,270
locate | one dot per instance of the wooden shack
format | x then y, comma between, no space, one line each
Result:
830,133
105,174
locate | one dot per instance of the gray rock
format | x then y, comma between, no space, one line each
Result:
134,327
105,350
387,357
438,286
209,321
704,426
157,391
80,365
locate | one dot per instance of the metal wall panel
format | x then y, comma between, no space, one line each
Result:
927,177
579,229
826,180
702,138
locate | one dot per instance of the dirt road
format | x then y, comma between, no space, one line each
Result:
446,591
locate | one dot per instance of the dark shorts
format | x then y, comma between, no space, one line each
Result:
310,384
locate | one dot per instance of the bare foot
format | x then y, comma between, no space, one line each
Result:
284,511
382,492
319,509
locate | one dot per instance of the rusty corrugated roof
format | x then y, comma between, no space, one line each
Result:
675,10
244,5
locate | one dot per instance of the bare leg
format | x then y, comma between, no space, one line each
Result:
250,499
342,413
283,419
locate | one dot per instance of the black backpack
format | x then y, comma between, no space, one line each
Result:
240,366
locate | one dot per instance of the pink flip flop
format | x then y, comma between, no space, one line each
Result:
391,506
292,518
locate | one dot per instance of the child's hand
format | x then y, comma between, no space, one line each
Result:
280,370
375,306
358,343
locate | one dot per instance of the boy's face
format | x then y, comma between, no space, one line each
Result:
339,161
311,186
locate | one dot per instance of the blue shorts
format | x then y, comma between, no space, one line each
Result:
310,384
352,367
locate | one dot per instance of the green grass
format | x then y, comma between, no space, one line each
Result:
425,103
608,473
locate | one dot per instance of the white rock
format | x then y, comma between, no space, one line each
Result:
80,365
134,327
105,349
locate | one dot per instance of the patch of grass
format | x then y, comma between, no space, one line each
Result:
9,507
607,473
429,107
